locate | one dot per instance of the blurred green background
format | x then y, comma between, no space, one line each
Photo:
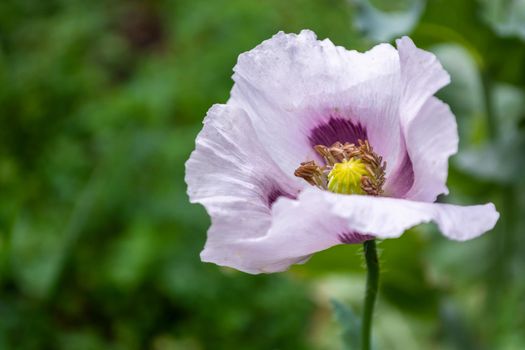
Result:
100,102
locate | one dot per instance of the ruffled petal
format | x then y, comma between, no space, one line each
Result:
298,229
431,138
232,176
318,220
422,76
293,84
389,217
294,91
429,127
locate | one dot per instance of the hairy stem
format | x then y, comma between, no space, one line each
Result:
372,283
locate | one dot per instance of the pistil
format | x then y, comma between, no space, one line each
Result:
345,177
348,169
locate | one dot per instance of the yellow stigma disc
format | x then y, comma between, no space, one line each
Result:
345,177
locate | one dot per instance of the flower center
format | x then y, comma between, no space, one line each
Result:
348,169
345,177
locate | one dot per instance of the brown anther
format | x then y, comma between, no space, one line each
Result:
326,154
372,185
368,186
312,173
339,152
350,150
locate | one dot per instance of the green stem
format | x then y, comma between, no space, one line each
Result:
372,283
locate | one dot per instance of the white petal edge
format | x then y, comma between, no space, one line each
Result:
431,139
288,82
422,76
389,217
315,220
428,125
231,175
297,230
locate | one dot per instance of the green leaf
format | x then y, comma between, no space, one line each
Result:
496,161
507,18
404,279
36,249
464,94
380,25
350,324
131,256
479,156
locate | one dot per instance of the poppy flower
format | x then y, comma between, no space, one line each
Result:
319,146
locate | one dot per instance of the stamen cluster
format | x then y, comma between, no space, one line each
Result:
357,159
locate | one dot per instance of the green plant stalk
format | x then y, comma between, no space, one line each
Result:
372,283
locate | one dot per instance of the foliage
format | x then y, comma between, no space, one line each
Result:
100,103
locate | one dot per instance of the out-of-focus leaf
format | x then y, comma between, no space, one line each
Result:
464,91
350,324
393,327
509,107
82,340
341,258
479,156
131,256
506,17
448,266
455,328
404,279
464,94
496,161
36,249
381,25
99,108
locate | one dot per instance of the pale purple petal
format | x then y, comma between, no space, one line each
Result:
293,92
298,230
389,217
422,76
231,175
429,127
318,220
431,138
292,86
